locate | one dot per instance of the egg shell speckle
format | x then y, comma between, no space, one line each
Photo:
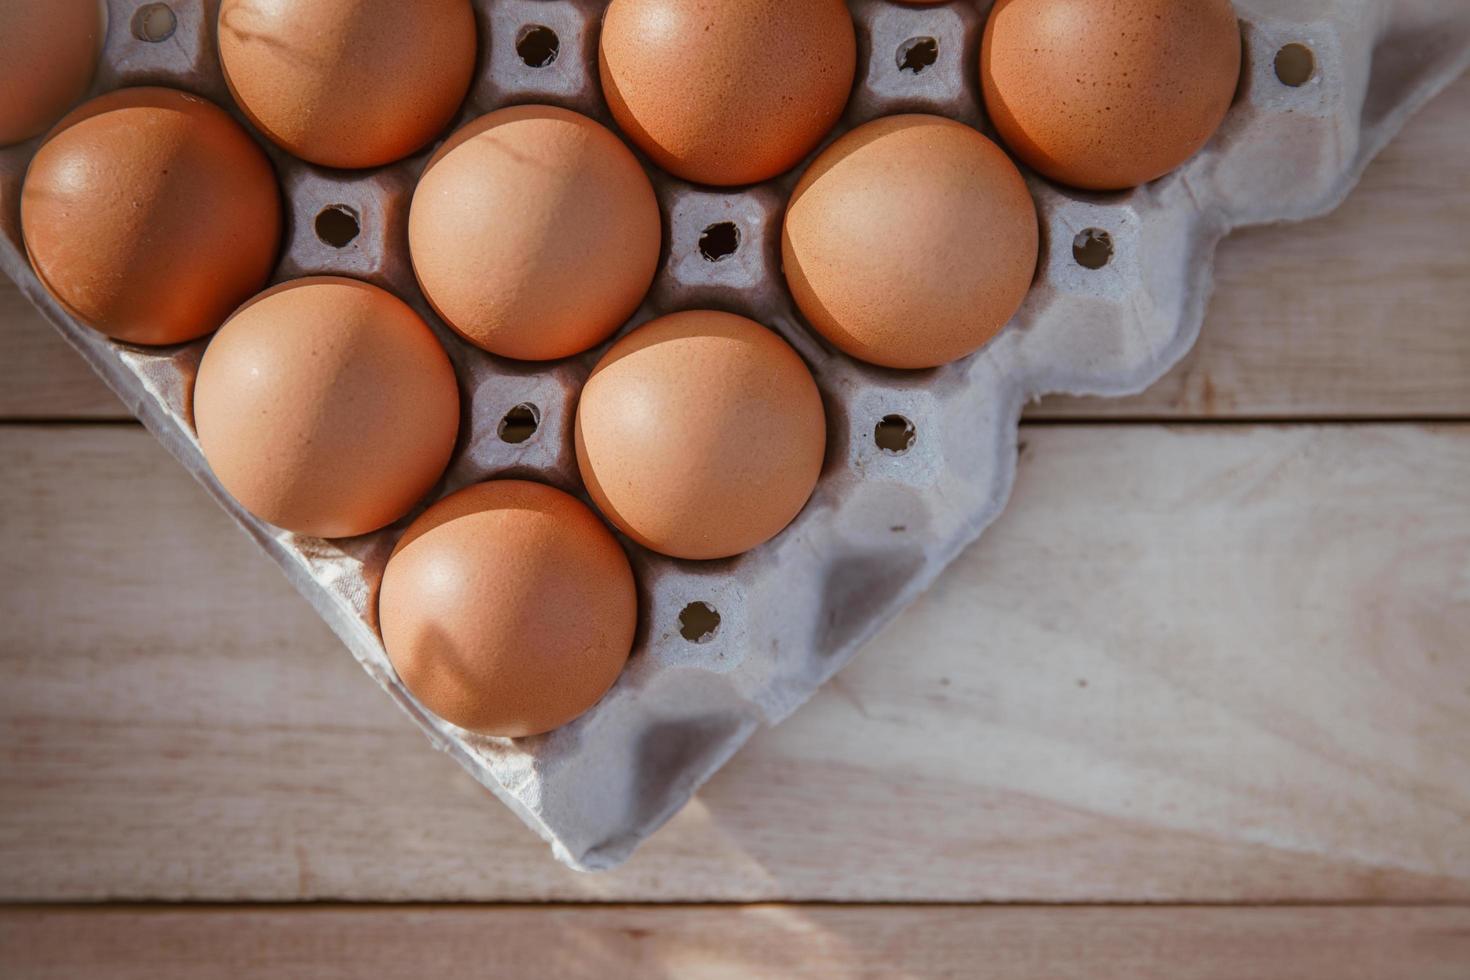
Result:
1109,95
727,91
48,51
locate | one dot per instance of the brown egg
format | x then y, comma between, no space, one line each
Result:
508,608
910,241
150,215
727,91
326,406
534,232
348,83
701,434
48,51
1106,96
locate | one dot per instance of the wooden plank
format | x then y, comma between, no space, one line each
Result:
1360,314
1189,664
721,943
40,376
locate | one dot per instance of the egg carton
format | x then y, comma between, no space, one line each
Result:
918,463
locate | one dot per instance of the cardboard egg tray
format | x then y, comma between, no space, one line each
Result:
918,463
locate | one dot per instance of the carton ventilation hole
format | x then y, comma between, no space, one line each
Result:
1295,65
917,53
894,435
154,22
699,622
336,225
537,46
1092,248
719,241
519,424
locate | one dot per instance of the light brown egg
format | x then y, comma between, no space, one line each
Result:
534,232
508,608
727,91
326,406
48,51
150,215
348,83
701,434
1106,96
910,241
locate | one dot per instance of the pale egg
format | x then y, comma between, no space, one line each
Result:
700,434
910,242
534,232
326,406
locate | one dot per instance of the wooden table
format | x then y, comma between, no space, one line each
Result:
1197,707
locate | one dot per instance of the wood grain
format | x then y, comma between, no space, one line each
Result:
40,376
1363,314
1189,664
779,942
